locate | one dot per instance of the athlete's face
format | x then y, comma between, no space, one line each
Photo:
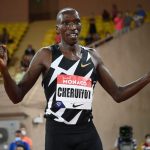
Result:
69,27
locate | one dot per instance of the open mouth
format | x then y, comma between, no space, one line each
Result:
73,35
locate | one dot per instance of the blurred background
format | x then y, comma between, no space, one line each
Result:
118,29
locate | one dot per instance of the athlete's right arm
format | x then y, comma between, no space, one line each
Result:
16,92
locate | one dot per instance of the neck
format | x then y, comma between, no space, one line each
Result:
69,48
71,51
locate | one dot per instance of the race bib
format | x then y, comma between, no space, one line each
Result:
74,92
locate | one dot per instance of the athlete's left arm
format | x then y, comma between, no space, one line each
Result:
119,93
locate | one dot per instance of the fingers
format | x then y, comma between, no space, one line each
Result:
2,50
3,56
4,46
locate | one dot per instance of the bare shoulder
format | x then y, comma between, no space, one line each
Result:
42,55
42,59
44,51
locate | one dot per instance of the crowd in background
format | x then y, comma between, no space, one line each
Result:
5,37
25,62
122,22
124,141
21,140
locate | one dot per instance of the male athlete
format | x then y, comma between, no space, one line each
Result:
70,73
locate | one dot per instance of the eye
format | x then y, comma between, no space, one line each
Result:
69,24
65,23
78,23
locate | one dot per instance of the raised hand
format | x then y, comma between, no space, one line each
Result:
3,57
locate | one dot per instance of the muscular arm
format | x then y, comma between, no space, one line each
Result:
17,92
119,93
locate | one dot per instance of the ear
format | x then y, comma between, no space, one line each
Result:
57,29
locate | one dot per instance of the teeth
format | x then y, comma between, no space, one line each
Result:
73,35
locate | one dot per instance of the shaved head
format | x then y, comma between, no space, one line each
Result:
65,11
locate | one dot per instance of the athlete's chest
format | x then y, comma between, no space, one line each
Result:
82,67
79,67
